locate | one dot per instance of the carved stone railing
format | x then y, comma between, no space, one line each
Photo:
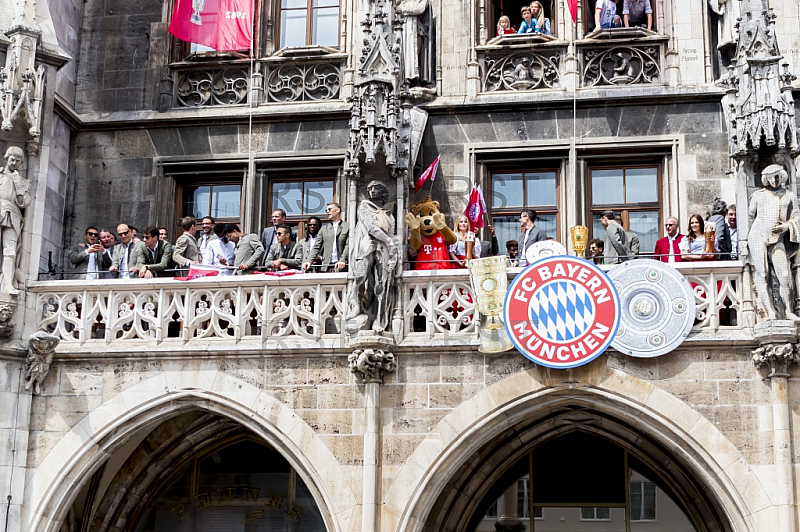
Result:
303,80
508,65
622,62
305,308
301,311
211,85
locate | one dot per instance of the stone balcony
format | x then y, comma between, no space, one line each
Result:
278,315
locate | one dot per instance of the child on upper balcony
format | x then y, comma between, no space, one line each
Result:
504,26
537,13
528,23
605,15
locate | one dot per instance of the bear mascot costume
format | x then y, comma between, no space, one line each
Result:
429,236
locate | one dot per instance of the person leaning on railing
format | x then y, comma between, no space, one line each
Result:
87,258
248,250
668,248
693,246
186,251
155,259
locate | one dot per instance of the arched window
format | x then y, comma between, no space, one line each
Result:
241,485
580,482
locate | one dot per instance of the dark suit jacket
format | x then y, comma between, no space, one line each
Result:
268,236
163,259
537,235
324,244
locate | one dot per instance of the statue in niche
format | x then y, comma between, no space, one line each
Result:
623,70
773,238
727,13
6,323
417,40
376,260
41,349
523,77
13,198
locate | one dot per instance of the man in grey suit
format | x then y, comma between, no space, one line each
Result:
156,257
124,255
268,236
615,244
87,258
284,254
530,234
186,251
333,243
248,252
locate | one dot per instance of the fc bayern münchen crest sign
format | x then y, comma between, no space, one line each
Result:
561,312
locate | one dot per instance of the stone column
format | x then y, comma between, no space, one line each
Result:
509,521
777,357
369,365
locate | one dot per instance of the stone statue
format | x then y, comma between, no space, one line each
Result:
774,236
13,198
370,364
376,259
728,11
6,324
41,348
416,40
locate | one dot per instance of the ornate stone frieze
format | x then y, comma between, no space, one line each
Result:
22,82
631,64
41,349
298,82
521,70
211,86
369,365
777,357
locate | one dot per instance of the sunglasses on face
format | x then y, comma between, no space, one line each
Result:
93,234
123,233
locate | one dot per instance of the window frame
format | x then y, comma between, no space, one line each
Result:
552,165
624,208
192,174
642,484
293,177
496,10
277,16
588,16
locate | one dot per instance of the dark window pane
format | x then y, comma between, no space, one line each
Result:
225,201
197,201
289,197
506,191
607,187
540,189
641,185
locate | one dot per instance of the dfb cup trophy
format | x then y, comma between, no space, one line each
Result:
489,285
197,7
579,235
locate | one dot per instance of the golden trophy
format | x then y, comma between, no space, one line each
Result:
489,282
579,234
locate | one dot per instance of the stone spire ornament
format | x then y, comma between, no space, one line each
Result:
762,138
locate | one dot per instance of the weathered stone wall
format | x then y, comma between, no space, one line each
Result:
14,425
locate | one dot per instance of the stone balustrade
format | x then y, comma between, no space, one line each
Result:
303,311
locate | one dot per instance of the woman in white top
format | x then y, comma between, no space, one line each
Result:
693,246
458,251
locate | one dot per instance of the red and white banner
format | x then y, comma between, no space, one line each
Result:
476,208
573,9
430,173
224,25
197,271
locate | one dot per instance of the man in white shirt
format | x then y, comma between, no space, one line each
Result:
125,253
207,236
218,249
730,219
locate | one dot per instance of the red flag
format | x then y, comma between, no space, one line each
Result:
224,25
476,208
430,173
573,8
196,271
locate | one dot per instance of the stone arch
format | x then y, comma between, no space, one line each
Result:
78,454
691,443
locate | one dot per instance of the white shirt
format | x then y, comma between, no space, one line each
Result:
202,243
91,269
123,264
216,250
608,10
460,248
670,240
334,247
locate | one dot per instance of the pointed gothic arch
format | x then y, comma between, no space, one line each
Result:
81,452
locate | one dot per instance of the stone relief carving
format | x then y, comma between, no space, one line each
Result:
521,71
778,357
376,256
219,86
773,239
22,82
13,198
304,81
417,34
369,365
41,349
622,65
6,324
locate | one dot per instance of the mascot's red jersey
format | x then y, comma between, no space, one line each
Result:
432,255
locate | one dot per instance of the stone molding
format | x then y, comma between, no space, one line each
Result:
778,357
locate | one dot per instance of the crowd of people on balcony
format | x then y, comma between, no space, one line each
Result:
325,246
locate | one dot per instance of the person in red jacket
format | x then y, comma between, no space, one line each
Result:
667,248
